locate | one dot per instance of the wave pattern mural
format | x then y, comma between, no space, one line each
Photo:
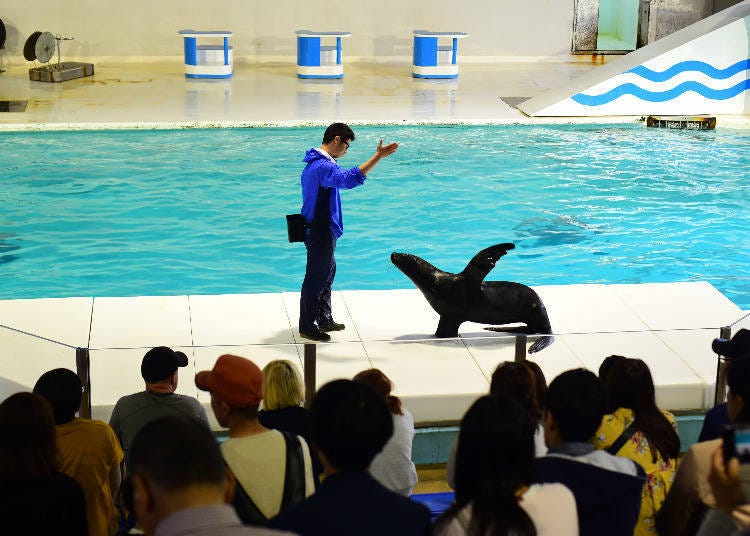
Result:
650,95
691,66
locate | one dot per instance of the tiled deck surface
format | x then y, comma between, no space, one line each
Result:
670,326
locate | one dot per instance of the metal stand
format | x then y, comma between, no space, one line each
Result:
62,71
83,369
721,370
310,361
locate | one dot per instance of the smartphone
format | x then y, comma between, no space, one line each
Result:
742,442
736,443
728,447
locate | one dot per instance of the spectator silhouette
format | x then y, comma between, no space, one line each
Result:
393,466
35,497
159,371
273,469
519,381
494,475
89,450
690,496
638,430
717,418
283,399
350,425
180,483
607,488
605,368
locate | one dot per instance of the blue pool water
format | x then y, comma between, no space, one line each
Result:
202,211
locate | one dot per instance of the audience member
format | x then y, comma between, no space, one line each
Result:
89,450
518,381
725,481
604,369
638,430
159,371
494,475
350,425
607,488
540,385
180,483
35,497
392,466
283,399
690,496
717,418
273,469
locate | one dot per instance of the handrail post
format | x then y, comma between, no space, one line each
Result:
520,348
721,370
310,362
83,369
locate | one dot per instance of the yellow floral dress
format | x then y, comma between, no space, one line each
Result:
659,474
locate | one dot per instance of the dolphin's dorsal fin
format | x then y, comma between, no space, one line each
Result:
484,261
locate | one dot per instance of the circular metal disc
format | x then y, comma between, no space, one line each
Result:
28,47
45,47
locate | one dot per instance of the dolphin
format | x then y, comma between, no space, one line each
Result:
458,298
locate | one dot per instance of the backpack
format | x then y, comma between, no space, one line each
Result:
294,485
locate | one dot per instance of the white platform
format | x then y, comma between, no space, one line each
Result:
670,326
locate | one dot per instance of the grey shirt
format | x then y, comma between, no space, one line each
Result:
215,520
132,412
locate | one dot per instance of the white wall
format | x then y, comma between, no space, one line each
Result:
265,30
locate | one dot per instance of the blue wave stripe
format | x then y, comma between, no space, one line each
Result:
661,96
688,66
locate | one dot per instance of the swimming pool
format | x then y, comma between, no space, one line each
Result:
126,213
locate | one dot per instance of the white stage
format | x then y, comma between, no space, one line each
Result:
668,325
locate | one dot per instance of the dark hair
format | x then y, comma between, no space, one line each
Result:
604,371
176,453
540,384
341,130
350,424
28,442
517,381
382,385
62,389
495,458
630,385
576,401
738,381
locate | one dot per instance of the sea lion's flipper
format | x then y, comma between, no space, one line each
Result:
448,326
541,343
514,329
483,262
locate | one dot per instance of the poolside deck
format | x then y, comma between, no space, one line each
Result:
156,94
670,326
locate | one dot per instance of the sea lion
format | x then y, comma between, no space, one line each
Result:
458,298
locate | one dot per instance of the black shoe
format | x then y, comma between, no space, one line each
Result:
316,335
331,326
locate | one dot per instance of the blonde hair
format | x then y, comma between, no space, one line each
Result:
282,385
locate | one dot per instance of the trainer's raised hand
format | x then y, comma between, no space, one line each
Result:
381,151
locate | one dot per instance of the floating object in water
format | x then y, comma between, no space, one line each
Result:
689,122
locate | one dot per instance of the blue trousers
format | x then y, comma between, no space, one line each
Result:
315,299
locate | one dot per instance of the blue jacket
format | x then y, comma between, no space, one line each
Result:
326,173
